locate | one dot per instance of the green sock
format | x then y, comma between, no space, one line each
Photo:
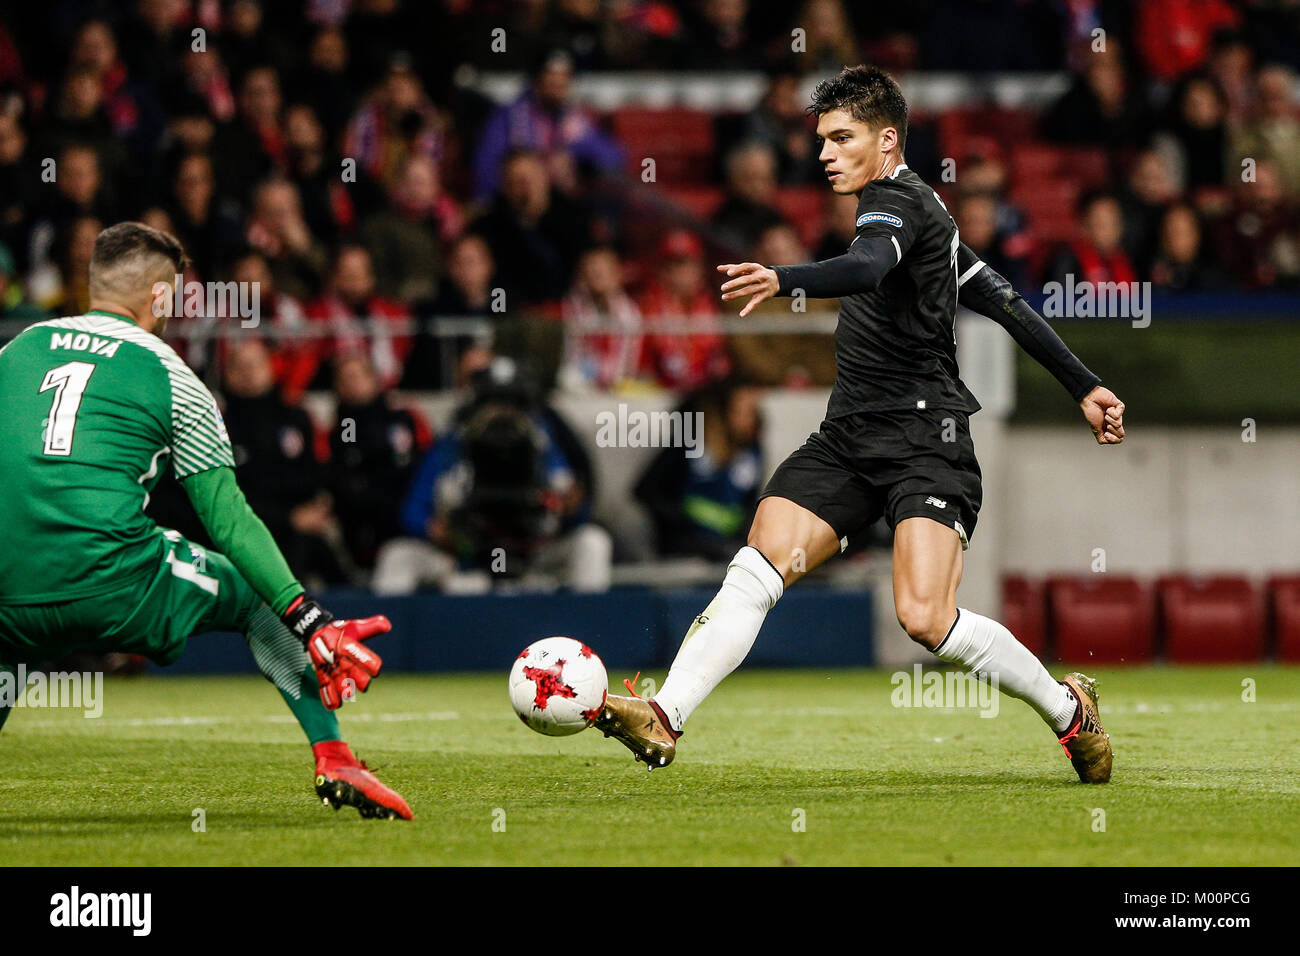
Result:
283,660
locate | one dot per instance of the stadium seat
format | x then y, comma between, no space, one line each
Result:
680,142
1009,127
1091,167
697,201
1049,206
1042,162
1024,612
1035,163
804,208
1217,618
1284,615
1102,618
1046,201
986,146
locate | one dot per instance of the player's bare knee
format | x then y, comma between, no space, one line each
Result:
924,621
776,555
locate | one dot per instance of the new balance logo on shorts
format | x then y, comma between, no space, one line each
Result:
937,502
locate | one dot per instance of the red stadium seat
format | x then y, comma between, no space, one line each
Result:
1102,618
1035,163
1011,128
697,201
1219,618
1040,162
953,135
1284,607
1024,612
680,142
804,208
1046,201
1049,205
1091,167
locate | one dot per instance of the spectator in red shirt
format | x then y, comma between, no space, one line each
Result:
1175,35
397,120
603,343
205,75
1097,255
349,300
279,315
679,295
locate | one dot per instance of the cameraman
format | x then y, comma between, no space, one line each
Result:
504,495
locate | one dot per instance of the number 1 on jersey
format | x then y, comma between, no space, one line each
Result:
69,383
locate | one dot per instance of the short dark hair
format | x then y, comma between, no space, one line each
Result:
868,94
1092,197
127,240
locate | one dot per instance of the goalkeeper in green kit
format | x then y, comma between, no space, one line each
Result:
93,407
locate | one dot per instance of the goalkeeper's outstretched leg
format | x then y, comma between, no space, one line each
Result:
197,591
341,779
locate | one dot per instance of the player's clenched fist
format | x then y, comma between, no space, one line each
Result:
1105,415
344,665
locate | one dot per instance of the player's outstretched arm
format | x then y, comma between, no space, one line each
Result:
343,665
981,289
859,270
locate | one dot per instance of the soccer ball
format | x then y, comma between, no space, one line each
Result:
558,686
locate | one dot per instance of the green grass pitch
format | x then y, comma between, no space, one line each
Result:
1201,777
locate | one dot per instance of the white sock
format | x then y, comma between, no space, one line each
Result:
722,635
989,649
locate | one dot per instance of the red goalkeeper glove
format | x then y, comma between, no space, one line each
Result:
344,666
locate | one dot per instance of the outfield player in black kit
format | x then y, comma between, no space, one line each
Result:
895,442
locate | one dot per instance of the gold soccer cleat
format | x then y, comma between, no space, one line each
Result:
640,726
1086,743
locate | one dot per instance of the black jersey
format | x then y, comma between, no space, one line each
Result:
895,343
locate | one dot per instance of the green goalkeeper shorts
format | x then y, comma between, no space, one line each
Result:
193,590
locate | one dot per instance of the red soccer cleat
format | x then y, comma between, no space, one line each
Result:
343,780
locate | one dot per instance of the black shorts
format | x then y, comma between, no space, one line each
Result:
899,464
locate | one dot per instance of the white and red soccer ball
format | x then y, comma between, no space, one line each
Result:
558,686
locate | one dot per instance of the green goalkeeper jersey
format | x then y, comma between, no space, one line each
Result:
92,407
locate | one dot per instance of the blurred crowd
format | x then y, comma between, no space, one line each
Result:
338,154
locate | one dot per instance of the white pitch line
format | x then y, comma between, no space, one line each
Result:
186,721
1138,707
